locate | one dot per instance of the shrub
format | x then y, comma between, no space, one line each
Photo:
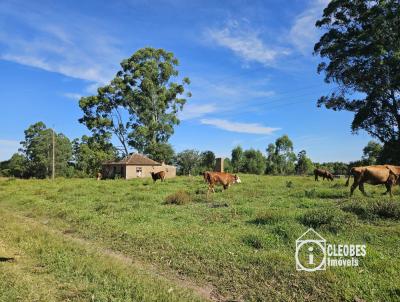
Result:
359,208
179,198
310,193
386,209
253,241
268,217
377,209
330,219
289,184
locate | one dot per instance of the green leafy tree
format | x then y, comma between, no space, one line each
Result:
228,165
253,162
284,156
161,152
4,170
38,151
141,103
207,160
372,152
304,165
187,162
17,165
361,55
271,162
237,157
90,152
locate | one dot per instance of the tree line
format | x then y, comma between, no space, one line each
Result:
83,157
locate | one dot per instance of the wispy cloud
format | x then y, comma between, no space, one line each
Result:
229,94
76,49
72,96
192,111
252,128
303,33
246,43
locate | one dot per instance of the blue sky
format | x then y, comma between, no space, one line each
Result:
250,62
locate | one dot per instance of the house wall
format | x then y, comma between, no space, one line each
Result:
131,171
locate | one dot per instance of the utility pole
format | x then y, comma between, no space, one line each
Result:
53,172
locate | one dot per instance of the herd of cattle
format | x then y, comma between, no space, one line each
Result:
387,175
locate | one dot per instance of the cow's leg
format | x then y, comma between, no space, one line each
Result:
388,188
211,187
316,177
361,187
353,187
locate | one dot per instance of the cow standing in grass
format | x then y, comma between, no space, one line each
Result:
158,175
220,178
375,175
323,173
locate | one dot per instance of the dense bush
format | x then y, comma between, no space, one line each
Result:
330,219
179,198
376,209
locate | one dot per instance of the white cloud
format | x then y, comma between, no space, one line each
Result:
246,43
303,33
73,96
8,148
228,93
252,128
72,47
192,111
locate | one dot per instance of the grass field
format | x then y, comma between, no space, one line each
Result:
116,240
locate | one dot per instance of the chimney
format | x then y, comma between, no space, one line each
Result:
219,164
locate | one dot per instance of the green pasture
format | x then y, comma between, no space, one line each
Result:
118,240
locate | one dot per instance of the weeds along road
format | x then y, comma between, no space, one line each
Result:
84,240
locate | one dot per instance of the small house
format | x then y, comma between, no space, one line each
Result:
135,166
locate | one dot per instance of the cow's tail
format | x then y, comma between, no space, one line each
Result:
348,177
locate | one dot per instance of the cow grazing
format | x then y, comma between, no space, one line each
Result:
375,175
323,173
158,175
220,178
205,175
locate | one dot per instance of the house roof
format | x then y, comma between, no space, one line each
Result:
314,236
135,159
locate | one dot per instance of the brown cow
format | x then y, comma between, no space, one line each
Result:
205,175
323,173
220,178
158,175
374,175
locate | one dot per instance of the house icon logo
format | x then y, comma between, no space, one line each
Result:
310,252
